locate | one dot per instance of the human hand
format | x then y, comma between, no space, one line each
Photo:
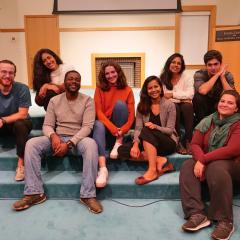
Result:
61,150
223,70
168,94
56,142
43,90
199,170
1,123
135,151
150,125
54,88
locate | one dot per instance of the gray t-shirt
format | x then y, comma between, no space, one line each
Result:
19,97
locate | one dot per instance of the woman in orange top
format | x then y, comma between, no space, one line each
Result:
114,103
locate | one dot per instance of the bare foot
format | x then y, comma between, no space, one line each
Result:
160,162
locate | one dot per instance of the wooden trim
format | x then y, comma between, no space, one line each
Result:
150,28
228,26
198,8
197,66
112,55
177,31
41,16
12,30
212,19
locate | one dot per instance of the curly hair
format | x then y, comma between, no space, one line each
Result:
41,74
103,82
144,106
166,75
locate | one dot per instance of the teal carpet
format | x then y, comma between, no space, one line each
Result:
68,219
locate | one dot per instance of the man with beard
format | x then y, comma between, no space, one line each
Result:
68,122
15,101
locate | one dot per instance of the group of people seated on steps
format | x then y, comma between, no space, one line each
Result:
76,124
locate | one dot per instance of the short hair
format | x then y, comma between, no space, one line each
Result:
11,63
212,54
235,94
71,71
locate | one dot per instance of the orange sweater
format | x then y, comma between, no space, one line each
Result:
105,102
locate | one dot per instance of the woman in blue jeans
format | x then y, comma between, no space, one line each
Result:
114,103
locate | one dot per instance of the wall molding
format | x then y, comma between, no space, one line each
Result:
112,55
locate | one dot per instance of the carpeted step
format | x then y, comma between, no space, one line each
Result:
8,162
66,185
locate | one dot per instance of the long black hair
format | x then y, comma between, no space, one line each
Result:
166,75
41,74
144,106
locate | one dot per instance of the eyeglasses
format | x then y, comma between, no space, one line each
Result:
4,72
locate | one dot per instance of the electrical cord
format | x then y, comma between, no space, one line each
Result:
143,205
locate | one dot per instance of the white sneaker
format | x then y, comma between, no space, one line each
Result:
19,173
102,177
114,152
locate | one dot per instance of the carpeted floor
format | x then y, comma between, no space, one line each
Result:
68,219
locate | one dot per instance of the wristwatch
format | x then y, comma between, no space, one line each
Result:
70,144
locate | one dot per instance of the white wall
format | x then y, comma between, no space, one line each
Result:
76,47
157,45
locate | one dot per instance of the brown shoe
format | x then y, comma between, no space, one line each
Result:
196,222
92,204
28,201
223,230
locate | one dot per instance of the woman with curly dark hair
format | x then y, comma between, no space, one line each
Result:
114,102
178,87
154,134
48,76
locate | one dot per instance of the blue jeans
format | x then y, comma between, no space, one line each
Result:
38,147
119,118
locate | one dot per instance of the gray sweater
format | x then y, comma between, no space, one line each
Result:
167,118
71,118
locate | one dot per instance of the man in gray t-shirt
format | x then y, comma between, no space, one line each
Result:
209,83
15,101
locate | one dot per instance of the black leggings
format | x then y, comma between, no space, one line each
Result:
163,143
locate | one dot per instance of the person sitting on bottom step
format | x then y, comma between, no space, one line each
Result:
68,122
215,149
114,103
15,101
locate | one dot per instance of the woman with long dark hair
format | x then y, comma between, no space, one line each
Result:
178,87
48,76
154,134
114,102
215,150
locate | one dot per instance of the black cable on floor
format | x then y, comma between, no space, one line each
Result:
144,205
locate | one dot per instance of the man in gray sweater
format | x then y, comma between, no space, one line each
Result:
68,122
